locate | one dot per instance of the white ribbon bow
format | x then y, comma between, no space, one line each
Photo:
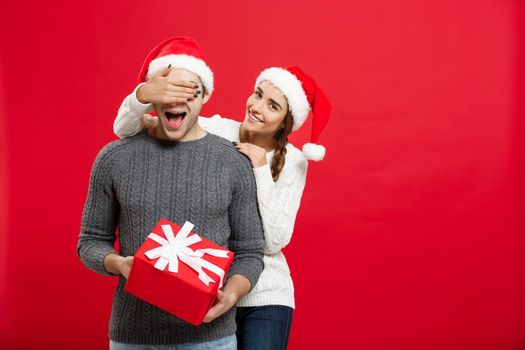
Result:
177,247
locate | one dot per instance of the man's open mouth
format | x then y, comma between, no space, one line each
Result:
175,120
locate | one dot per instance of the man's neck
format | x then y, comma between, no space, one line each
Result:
195,133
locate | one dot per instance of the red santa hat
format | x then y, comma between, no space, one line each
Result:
179,52
303,95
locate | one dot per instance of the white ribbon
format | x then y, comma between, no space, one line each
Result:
177,247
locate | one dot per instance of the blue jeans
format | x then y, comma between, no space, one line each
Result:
226,343
263,327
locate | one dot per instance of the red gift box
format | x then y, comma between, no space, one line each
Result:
179,271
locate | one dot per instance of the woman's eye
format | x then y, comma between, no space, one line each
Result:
273,107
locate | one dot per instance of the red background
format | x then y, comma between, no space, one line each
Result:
410,234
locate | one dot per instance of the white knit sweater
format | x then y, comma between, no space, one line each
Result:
278,201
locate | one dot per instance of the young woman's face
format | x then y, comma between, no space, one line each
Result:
266,109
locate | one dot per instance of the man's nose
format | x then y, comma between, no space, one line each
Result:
176,104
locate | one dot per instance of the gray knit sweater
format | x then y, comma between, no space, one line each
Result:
138,180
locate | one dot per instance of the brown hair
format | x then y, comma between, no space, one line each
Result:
281,136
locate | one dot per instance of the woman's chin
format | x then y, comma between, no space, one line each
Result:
251,126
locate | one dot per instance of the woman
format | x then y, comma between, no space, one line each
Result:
280,103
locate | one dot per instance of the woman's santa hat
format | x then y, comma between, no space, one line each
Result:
179,52
303,95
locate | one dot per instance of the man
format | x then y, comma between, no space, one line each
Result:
180,172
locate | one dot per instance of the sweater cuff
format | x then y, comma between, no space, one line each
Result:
263,177
136,105
93,257
250,271
100,268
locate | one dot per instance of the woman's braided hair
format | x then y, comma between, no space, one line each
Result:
281,136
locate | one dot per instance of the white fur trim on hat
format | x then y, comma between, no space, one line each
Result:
313,151
187,62
292,89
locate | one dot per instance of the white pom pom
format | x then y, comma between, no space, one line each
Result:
313,151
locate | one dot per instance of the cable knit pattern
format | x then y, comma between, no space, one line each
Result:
278,202
137,181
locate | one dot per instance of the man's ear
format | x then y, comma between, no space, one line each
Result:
205,97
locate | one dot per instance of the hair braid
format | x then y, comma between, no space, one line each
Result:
281,136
